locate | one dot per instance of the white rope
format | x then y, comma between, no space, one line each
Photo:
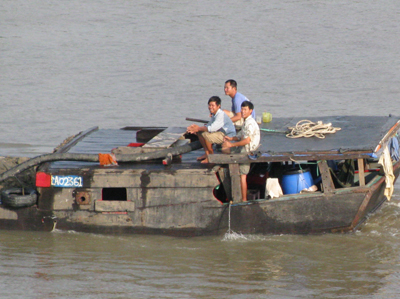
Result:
306,128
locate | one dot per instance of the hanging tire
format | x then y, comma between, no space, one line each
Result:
19,197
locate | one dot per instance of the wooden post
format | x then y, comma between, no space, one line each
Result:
327,182
361,174
235,182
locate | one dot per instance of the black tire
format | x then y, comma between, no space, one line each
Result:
19,197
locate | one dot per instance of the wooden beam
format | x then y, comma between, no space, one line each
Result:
235,182
361,209
298,156
393,130
327,182
197,120
361,174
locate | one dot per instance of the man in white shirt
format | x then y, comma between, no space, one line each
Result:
215,130
248,140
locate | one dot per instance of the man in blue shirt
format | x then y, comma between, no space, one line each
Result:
237,100
215,130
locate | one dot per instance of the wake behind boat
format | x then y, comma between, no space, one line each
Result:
153,184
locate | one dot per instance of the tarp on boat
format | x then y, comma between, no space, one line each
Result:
358,133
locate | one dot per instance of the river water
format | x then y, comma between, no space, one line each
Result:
70,65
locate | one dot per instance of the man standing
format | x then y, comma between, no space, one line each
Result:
237,100
215,130
248,140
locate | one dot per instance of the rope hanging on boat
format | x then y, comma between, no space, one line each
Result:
306,128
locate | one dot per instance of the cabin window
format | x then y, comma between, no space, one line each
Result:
118,194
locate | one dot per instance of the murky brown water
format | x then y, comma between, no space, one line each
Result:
70,65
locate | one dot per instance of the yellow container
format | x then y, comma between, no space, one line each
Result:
266,117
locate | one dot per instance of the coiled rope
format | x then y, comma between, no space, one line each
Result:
306,128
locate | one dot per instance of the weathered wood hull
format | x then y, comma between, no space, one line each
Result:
298,215
29,219
179,215
341,211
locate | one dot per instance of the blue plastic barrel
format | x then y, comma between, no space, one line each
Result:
296,180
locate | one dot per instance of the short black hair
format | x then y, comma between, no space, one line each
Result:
232,83
248,104
215,99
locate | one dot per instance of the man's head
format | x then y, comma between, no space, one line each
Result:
247,109
230,88
214,103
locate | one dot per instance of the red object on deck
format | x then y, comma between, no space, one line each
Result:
43,179
135,144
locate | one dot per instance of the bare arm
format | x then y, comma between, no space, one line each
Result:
236,117
196,128
242,142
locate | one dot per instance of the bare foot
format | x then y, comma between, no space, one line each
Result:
204,161
202,157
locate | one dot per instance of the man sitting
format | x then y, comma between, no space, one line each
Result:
215,130
248,140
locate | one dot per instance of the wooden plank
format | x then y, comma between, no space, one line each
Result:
166,138
361,210
393,130
137,128
361,174
235,182
197,120
327,182
129,150
243,158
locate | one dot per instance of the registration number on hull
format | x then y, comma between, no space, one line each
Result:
66,181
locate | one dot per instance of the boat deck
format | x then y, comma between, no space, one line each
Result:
357,134
104,140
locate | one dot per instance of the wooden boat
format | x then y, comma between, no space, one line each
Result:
174,194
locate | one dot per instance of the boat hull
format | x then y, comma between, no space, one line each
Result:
342,211
27,219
